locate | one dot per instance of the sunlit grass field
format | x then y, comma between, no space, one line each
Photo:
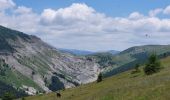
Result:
124,86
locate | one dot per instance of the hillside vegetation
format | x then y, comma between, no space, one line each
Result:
124,86
127,59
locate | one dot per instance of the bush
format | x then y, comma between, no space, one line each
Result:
137,67
8,96
153,65
100,78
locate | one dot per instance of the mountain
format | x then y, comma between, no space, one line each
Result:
85,53
76,52
113,52
127,59
30,65
104,59
123,86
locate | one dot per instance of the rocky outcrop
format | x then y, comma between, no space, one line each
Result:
39,62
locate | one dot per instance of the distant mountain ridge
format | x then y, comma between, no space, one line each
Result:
85,52
113,52
76,52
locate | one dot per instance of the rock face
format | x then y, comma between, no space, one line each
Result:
45,67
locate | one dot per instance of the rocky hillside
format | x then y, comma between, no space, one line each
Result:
29,64
123,86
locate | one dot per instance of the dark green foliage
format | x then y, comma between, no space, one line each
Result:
3,67
100,78
136,69
45,81
153,65
103,59
64,77
56,84
33,73
4,89
165,55
5,47
8,96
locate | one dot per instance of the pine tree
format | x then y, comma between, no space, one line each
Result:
100,78
137,67
153,65
7,96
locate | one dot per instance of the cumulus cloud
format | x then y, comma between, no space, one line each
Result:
5,4
82,27
136,15
76,12
78,19
167,10
155,12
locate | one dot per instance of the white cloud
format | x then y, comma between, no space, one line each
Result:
82,27
167,10
23,10
73,14
5,4
78,19
155,12
136,15
48,15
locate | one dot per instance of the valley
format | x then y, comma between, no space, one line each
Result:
29,66
84,50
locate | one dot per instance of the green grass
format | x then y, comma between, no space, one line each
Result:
124,86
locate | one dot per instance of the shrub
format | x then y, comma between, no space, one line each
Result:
100,78
8,96
153,65
136,69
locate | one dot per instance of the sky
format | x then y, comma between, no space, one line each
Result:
96,25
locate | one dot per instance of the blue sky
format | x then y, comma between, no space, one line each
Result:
109,7
96,25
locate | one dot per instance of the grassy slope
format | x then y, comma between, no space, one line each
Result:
124,86
126,59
